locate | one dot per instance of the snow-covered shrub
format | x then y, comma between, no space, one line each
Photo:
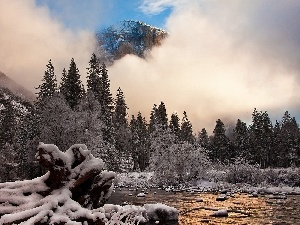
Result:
243,172
142,179
290,176
283,176
215,175
179,163
271,176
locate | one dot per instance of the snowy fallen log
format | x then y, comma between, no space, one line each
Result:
72,192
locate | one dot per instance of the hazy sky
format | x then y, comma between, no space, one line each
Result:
221,59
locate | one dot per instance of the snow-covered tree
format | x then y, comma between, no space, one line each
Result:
279,157
8,123
120,112
158,117
286,146
261,138
58,123
174,124
9,163
106,103
186,132
49,85
71,86
139,142
220,148
152,121
241,140
161,141
122,134
202,139
90,124
291,136
94,77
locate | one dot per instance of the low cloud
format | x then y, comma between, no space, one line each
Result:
218,62
30,36
221,59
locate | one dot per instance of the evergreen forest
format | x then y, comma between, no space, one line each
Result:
68,113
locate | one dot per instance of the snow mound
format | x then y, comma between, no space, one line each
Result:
220,213
161,212
153,212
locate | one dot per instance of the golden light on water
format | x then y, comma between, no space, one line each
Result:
262,209
257,207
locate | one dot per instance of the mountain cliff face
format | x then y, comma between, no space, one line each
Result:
15,88
128,37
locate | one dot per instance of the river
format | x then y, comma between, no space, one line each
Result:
263,209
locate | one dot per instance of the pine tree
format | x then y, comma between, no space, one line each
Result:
106,103
71,86
162,117
123,135
174,124
153,121
64,77
279,158
140,142
290,140
203,139
220,148
158,117
120,113
241,140
49,86
261,138
94,77
186,132
106,96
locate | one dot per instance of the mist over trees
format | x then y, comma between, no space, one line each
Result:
66,113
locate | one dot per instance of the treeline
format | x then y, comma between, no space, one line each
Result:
67,113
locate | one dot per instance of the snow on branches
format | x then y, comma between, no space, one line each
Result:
72,192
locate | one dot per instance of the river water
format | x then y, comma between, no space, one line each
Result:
263,210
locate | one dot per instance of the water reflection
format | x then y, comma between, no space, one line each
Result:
262,209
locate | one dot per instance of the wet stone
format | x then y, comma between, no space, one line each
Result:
222,197
205,221
220,213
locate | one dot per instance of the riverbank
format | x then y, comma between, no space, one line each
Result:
270,201
197,207
147,180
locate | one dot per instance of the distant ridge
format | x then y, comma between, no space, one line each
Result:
14,87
